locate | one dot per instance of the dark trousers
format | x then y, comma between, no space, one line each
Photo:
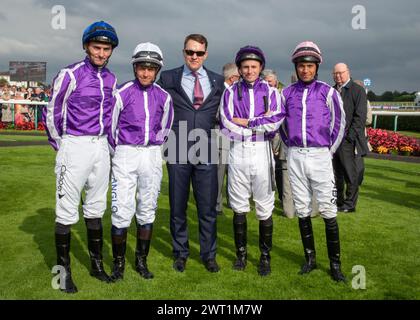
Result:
204,185
346,173
360,164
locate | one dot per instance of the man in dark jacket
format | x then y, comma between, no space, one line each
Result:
196,93
354,144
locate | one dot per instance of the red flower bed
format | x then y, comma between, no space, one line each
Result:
41,126
6,125
25,126
22,126
384,141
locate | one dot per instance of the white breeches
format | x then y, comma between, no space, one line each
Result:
136,179
82,162
249,174
311,173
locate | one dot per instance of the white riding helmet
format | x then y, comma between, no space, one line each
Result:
148,54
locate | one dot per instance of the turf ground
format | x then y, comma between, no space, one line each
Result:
382,236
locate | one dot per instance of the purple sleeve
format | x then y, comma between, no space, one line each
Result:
338,120
167,120
53,114
227,126
114,122
272,121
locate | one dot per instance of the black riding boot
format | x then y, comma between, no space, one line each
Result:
333,245
144,235
95,244
119,244
266,243
306,233
62,245
240,234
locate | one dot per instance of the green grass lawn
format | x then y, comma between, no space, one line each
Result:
23,132
21,137
382,236
412,134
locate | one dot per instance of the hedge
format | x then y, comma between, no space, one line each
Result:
405,123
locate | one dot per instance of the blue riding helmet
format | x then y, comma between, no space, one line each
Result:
102,32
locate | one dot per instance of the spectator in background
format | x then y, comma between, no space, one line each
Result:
39,96
29,93
21,111
24,92
7,113
271,77
47,92
354,143
231,75
13,90
2,92
360,162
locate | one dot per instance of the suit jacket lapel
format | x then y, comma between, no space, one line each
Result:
178,81
213,82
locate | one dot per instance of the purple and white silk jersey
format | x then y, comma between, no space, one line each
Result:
141,115
80,102
314,116
251,105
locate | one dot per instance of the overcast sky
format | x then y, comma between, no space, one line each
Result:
387,51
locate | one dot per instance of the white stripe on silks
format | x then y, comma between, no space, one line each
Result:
117,133
278,99
276,125
77,66
283,99
251,104
331,107
70,89
126,86
305,94
230,104
72,86
50,109
228,124
340,136
119,106
101,112
116,115
269,127
147,120
270,91
166,110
